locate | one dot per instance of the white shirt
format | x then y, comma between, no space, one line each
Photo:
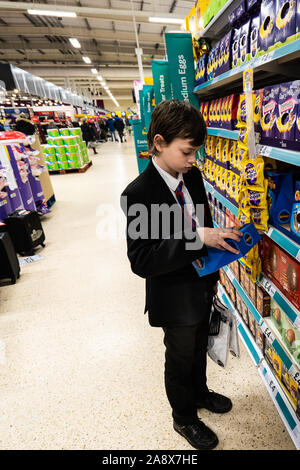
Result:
172,184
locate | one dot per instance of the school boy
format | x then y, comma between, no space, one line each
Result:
177,299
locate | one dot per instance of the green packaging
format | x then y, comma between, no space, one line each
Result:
64,132
53,132
70,140
75,131
49,150
58,141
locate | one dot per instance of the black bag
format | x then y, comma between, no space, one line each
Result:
215,318
25,230
9,263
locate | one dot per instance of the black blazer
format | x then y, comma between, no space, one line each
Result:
175,294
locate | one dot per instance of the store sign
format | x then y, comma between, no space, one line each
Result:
148,94
181,66
140,143
161,80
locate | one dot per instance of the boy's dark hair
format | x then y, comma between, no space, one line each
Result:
176,119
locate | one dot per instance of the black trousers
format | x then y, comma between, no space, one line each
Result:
185,366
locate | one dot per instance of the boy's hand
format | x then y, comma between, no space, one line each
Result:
216,237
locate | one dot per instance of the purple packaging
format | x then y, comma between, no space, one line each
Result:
232,19
254,32
296,85
216,59
244,42
24,186
285,20
5,206
235,49
267,24
225,53
253,6
287,111
241,12
298,19
269,111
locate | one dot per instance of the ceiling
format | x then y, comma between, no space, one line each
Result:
106,32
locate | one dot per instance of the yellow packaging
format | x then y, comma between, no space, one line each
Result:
243,138
253,173
225,151
210,111
222,179
234,186
260,218
257,107
244,215
218,149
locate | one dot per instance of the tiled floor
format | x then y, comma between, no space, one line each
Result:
80,368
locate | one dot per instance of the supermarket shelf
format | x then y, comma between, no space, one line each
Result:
284,356
274,65
276,235
218,25
281,300
284,242
287,156
226,133
284,408
246,336
221,198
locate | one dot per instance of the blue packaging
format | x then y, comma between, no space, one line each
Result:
232,19
269,112
225,53
217,259
267,24
295,216
253,6
241,13
280,196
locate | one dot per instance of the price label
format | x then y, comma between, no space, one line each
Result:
271,383
268,286
297,323
265,58
298,255
295,374
230,275
267,332
264,150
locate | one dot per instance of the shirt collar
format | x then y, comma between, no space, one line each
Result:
169,179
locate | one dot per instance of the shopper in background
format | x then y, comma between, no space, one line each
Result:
112,129
128,125
23,124
103,129
177,299
119,125
52,124
88,134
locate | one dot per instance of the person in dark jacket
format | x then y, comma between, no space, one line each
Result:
23,124
177,299
111,126
88,134
119,125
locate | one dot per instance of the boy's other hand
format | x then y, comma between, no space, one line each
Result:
216,237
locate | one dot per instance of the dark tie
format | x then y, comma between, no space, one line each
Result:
180,198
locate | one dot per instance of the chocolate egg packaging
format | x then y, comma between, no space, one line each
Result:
286,121
280,196
285,21
267,24
269,112
295,216
235,48
288,332
253,37
298,19
244,43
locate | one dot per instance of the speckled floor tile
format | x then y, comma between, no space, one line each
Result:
80,368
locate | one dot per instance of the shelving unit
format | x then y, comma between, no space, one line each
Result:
273,67
285,409
287,156
225,133
278,237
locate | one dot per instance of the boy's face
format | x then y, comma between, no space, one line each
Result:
177,157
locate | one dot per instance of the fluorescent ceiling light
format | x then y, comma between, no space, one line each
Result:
154,19
100,78
75,43
103,82
70,14
86,59
95,71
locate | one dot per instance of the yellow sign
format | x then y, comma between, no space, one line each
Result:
148,80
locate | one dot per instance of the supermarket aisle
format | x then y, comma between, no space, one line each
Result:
80,366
